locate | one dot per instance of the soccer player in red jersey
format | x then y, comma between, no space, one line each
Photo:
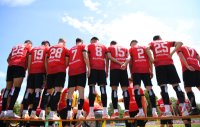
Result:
118,74
17,64
141,70
36,77
78,67
161,106
99,70
191,73
56,64
165,70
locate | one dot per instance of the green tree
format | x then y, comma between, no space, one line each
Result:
16,108
111,110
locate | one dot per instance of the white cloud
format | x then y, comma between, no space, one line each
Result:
93,6
14,3
2,74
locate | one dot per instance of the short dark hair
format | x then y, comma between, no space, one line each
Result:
156,37
28,41
79,40
94,38
45,42
113,43
61,40
133,41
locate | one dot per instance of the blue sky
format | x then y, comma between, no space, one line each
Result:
120,20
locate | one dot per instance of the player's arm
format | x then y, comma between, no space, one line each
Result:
177,45
149,54
180,54
29,62
113,59
107,64
9,57
86,60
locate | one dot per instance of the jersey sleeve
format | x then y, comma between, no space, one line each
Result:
84,48
66,52
150,45
171,43
109,50
106,49
130,52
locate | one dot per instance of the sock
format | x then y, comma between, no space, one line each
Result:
103,96
80,104
126,99
5,99
165,95
14,95
116,110
91,95
105,110
26,100
180,95
92,109
36,100
45,100
191,97
55,100
138,98
152,98
141,110
167,108
114,99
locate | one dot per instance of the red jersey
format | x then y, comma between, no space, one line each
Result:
76,60
133,104
38,60
62,103
57,61
161,105
140,60
119,53
190,55
187,104
161,52
18,55
97,54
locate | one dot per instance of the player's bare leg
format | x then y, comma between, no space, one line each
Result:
6,93
181,97
152,100
138,101
14,95
126,97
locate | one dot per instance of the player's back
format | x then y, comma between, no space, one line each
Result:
97,54
161,52
56,58
76,60
119,53
38,59
140,60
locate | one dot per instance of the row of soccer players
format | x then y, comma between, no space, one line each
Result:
92,61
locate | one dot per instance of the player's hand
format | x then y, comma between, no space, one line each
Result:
123,66
190,68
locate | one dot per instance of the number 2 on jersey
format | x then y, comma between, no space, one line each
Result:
18,50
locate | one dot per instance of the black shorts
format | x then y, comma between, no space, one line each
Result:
166,121
56,80
167,74
144,77
119,76
77,80
191,78
97,76
15,72
36,80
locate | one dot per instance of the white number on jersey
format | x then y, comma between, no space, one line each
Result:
98,51
55,53
74,51
140,53
38,54
160,48
17,50
190,52
119,52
